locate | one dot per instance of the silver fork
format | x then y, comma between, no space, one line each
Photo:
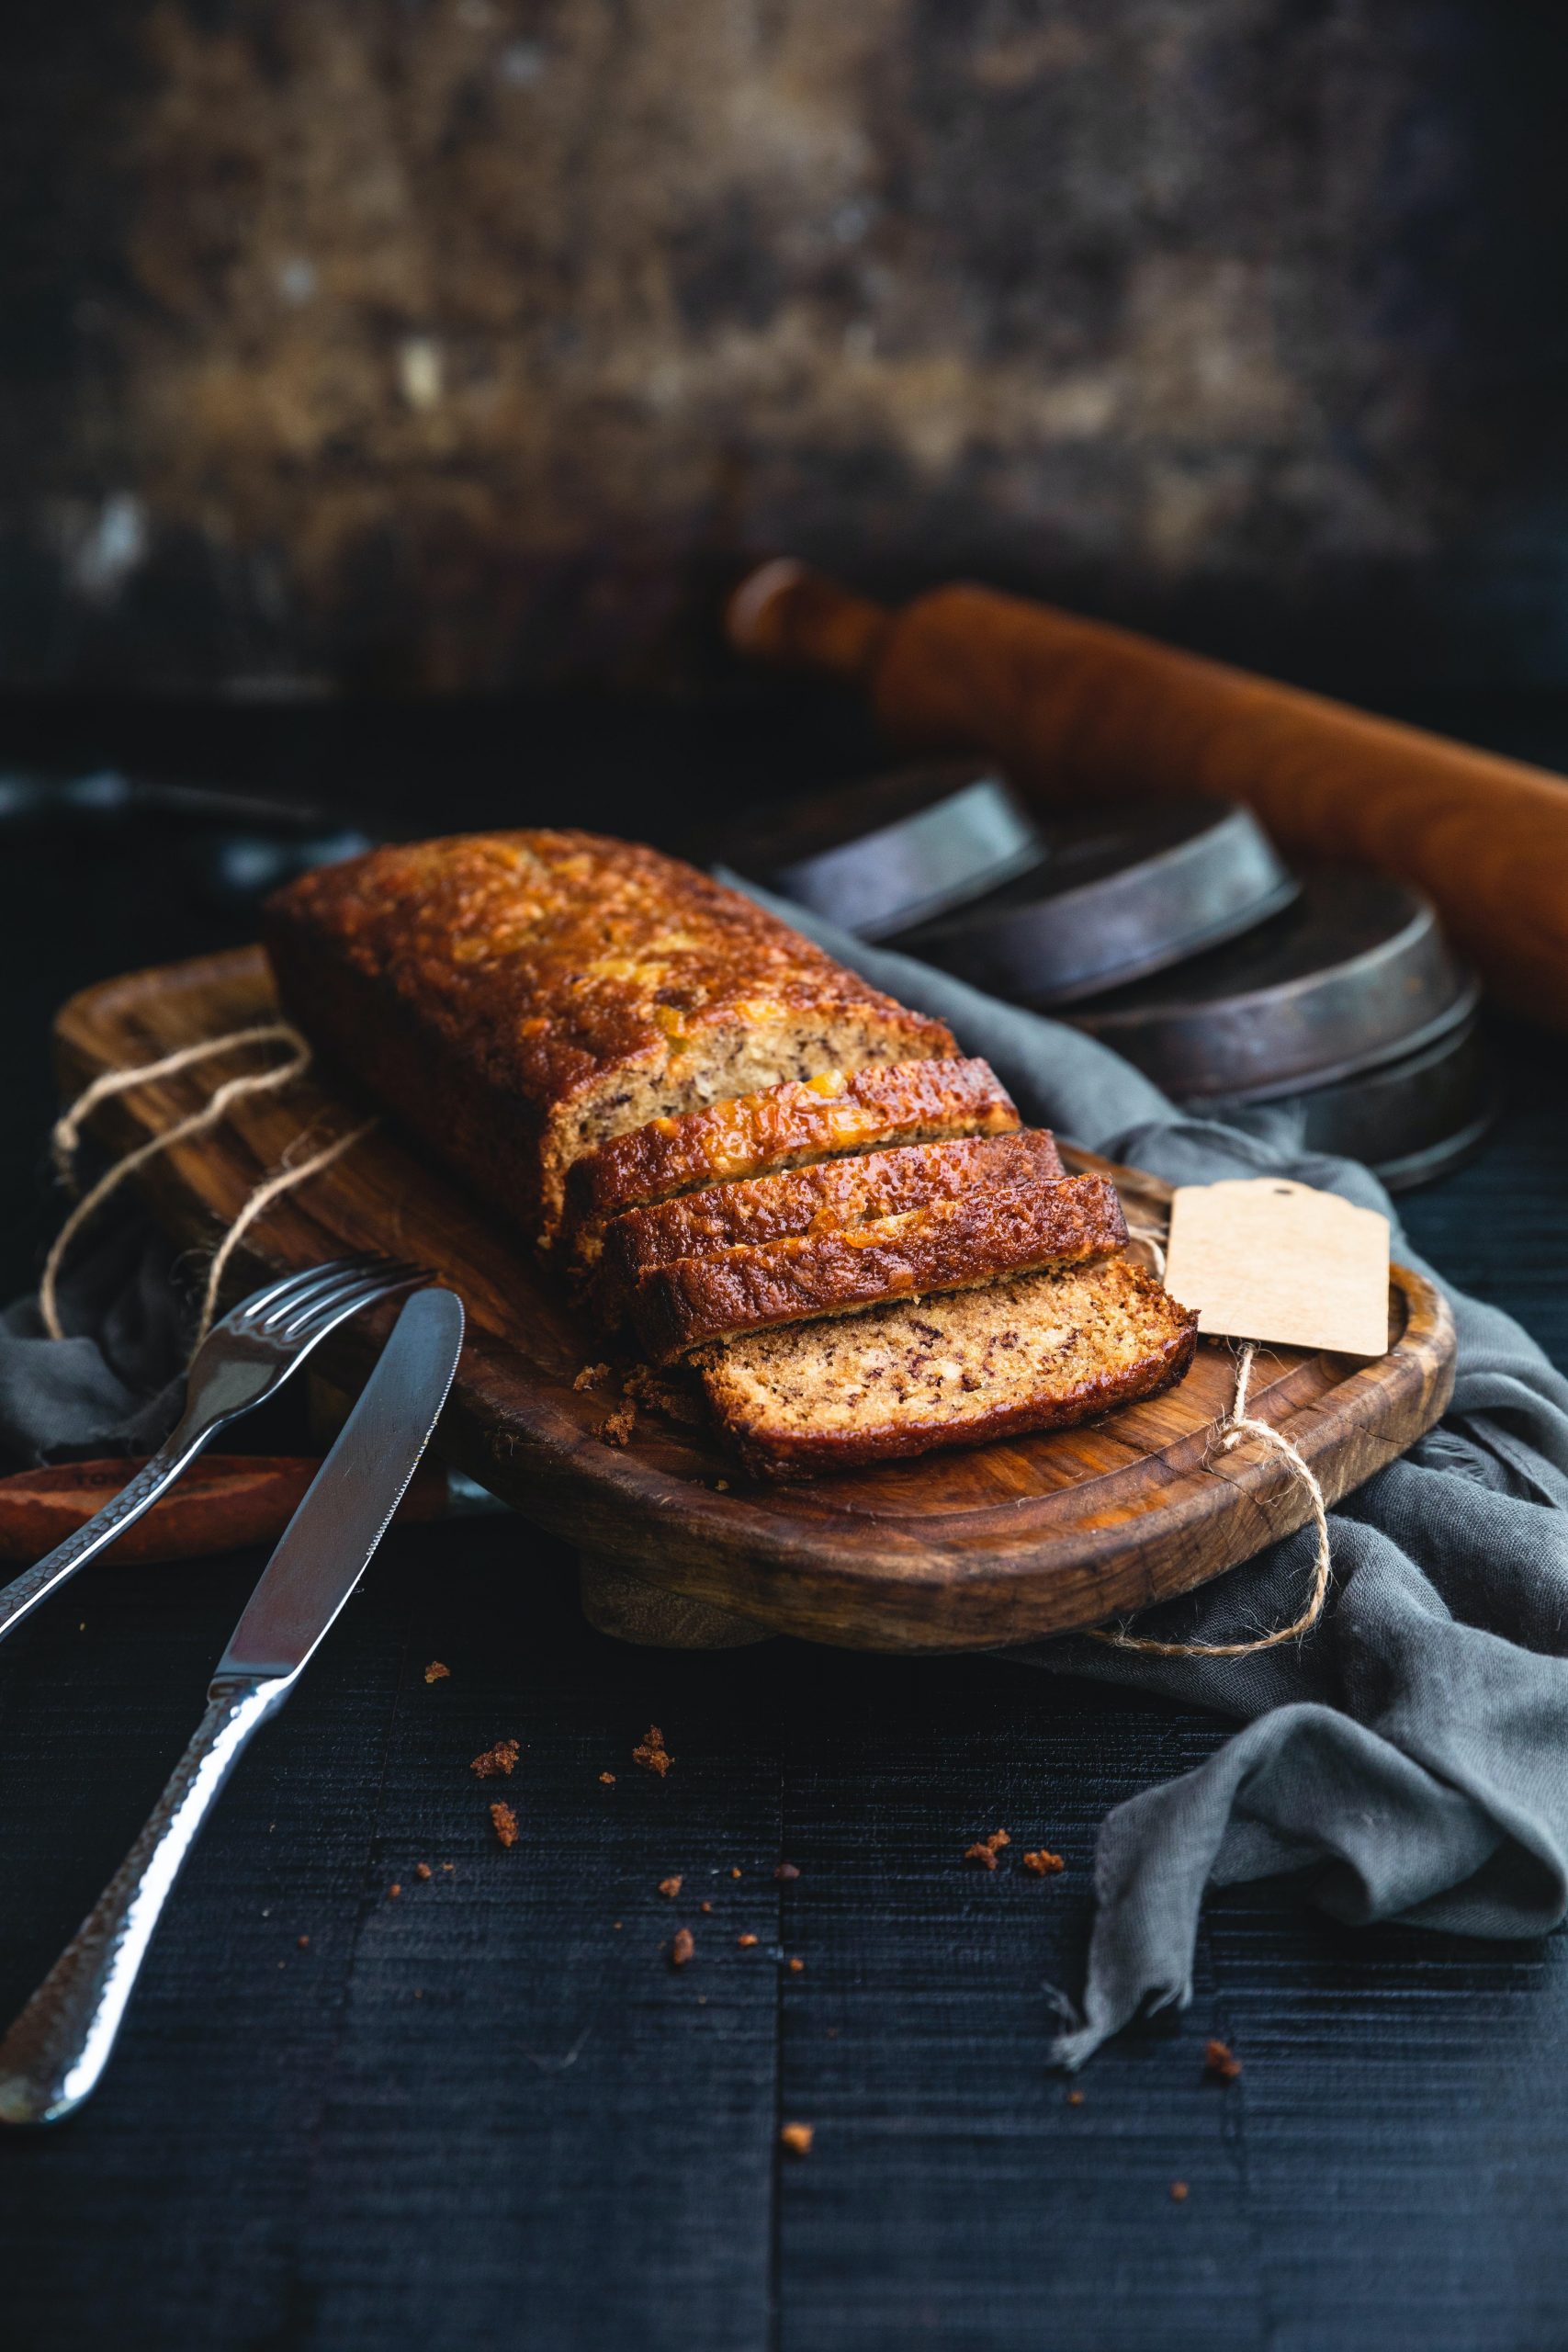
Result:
243,1360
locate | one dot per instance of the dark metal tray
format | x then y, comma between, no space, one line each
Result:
893,851
1355,973
1409,1120
1125,891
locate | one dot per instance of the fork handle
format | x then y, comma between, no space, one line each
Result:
59,2046
21,1596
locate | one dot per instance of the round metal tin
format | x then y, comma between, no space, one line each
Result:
1126,891
896,850
1355,973
1410,1121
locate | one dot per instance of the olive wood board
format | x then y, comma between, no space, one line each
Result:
962,1550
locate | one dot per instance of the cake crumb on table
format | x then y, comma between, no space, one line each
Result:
746,1942
1179,2192
590,1375
606,1780
394,1891
616,1429
651,1753
682,1944
796,1967
504,1822
303,1942
783,1871
501,1758
797,2138
985,1849
1043,1864
670,1886
1075,2099
421,1869
734,1872
707,1907
436,1672
1221,2063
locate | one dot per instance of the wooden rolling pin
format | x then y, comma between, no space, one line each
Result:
1074,709
222,1502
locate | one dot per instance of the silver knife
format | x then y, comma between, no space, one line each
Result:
56,2051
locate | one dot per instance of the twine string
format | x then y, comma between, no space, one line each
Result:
1235,1424
67,1133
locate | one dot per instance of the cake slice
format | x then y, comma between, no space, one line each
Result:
822,1198
946,1246
779,1128
1036,1352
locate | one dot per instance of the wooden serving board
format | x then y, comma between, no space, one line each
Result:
965,1550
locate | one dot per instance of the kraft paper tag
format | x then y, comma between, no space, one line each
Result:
1264,1259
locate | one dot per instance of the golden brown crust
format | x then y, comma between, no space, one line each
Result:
948,1245
495,988
780,1128
818,1199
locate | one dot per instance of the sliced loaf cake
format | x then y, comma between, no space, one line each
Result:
779,1128
946,1246
822,1198
1035,1352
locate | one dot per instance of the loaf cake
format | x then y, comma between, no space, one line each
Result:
946,1246
821,1198
1036,1352
780,1127
799,1190
517,998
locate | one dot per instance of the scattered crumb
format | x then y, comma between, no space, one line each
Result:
394,1890
651,1753
707,1907
734,1874
645,1386
505,1823
987,1848
1075,2099
590,1375
746,1942
721,1485
501,1758
303,1942
616,1429
616,1925
783,1871
421,1869
606,1780
797,2138
448,1866
670,1886
436,1672
1220,2062
795,1966
683,1945
1044,1865
1179,2192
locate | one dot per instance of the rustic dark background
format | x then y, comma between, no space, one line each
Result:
473,344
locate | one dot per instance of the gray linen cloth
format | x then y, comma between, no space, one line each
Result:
1409,1756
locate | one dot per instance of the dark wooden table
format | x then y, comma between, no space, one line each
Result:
487,2112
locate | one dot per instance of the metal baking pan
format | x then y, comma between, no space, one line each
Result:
1410,1120
1355,973
896,850
1127,891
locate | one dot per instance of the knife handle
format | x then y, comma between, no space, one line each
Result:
59,2046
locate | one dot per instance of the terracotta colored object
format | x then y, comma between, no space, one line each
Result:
954,1551
1074,709
222,1502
